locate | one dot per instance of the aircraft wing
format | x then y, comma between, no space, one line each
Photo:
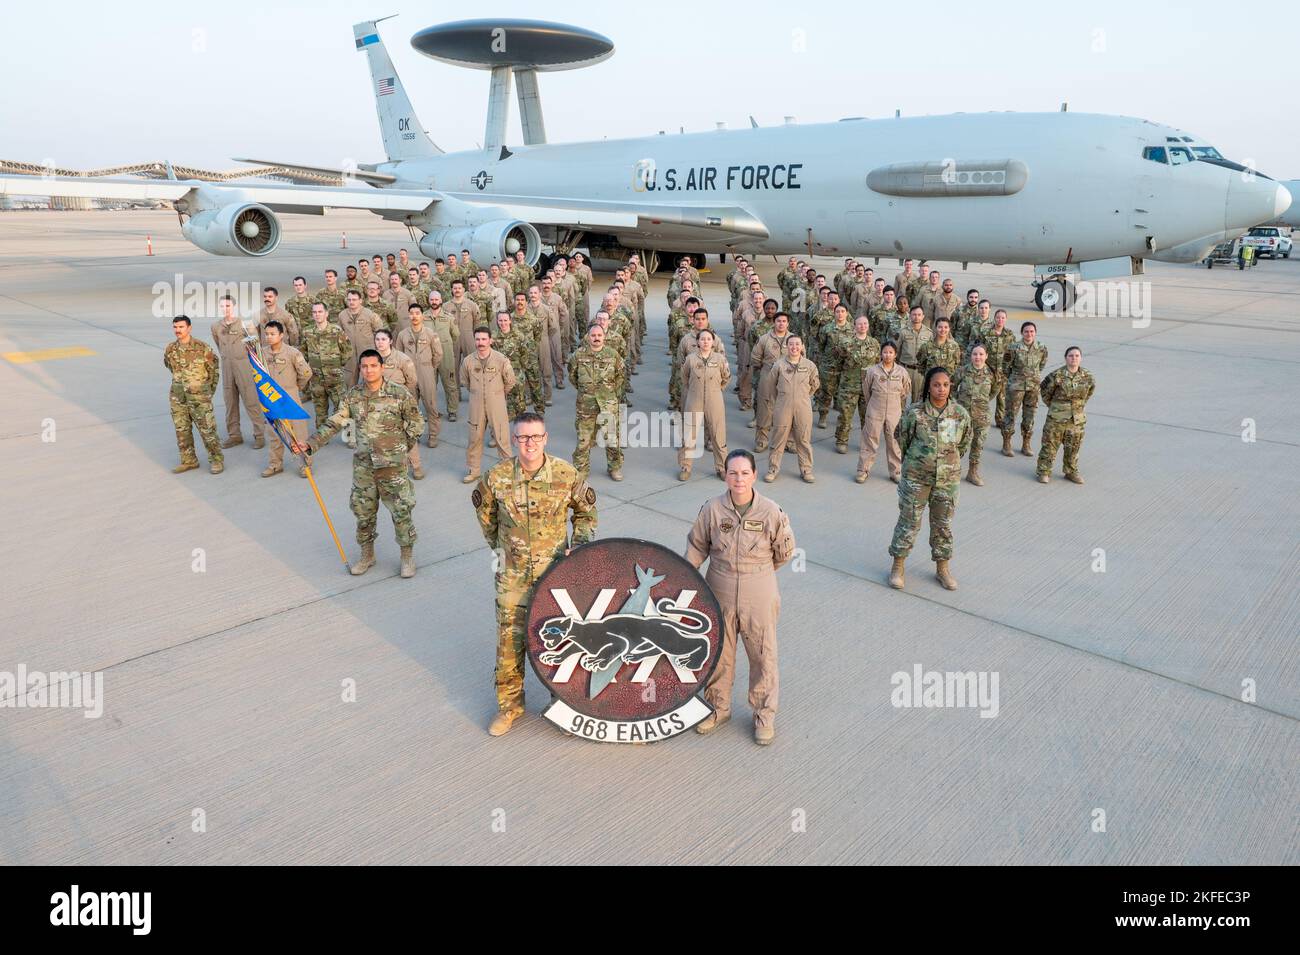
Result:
278,197
618,214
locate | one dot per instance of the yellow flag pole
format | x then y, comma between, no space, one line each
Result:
328,523
306,468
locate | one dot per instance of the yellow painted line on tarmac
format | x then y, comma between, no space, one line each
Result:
46,354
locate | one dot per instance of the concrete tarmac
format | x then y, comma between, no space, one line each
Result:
1147,711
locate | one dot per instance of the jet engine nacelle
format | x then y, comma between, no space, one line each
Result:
487,242
234,229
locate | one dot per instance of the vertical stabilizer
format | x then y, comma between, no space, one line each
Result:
404,135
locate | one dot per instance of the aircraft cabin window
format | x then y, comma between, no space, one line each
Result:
1179,155
1155,154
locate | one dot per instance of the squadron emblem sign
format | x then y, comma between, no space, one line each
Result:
625,634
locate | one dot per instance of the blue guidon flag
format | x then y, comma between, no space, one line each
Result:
276,405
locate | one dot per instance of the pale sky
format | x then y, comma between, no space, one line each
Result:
95,84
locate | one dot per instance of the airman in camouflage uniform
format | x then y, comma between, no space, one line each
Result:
829,358
1065,392
974,388
997,340
856,354
375,301
299,306
195,373
528,326
964,316
941,351
328,351
387,424
785,282
597,372
934,433
527,277
399,368
582,273
1023,363
524,506
972,325
332,295
509,341
882,317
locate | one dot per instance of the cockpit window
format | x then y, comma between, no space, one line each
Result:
1155,154
1179,155
1206,152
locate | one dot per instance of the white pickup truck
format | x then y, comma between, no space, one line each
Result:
1268,240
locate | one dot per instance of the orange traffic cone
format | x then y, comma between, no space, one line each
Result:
148,245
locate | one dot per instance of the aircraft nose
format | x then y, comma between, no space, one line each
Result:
1253,200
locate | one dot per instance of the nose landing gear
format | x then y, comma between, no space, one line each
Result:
1054,295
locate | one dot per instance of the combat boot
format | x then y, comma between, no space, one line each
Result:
469,478
615,474
1006,446
944,578
417,472
760,447
769,477
408,562
711,722
808,477
1074,477
896,573
217,466
259,443
764,733
1025,449
861,477
233,440
451,416
433,442
501,724
821,419
842,448
973,475
365,561
684,474
185,466
1044,479
271,471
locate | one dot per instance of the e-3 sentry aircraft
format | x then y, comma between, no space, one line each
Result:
1075,195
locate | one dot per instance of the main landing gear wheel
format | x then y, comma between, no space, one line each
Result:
1054,295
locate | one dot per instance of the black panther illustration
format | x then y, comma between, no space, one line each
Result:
629,638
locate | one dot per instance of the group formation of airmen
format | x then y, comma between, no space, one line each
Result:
908,361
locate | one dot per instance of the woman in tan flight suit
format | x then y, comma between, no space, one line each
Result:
705,374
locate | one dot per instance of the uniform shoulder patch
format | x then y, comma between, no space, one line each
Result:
590,496
477,497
